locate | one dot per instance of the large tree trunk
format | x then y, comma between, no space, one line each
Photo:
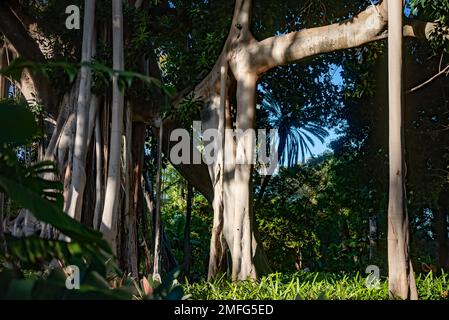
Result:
217,246
112,195
401,279
242,262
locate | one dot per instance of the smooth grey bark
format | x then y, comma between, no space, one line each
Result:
401,279
74,204
242,264
112,194
98,174
217,246
235,205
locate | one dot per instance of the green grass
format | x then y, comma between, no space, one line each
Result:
310,286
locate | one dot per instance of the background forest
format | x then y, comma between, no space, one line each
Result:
86,176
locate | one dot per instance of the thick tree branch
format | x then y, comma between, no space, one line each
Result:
15,32
368,26
418,29
26,47
285,49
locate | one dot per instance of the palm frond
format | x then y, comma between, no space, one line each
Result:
297,138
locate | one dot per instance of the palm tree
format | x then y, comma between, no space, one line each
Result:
295,138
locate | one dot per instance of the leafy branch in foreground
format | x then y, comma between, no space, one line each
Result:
125,78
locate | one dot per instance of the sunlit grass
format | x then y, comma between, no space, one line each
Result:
311,286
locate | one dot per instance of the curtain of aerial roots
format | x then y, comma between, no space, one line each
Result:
96,154
401,277
76,143
91,139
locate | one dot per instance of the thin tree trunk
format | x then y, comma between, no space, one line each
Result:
401,281
147,194
98,174
130,254
3,81
75,200
137,144
187,245
157,220
112,194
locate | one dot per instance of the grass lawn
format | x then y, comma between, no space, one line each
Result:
311,286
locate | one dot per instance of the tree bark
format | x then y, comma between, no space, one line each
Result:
37,85
76,192
217,246
157,219
401,281
242,264
112,195
99,192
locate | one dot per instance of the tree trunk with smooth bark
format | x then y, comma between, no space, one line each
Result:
112,194
74,204
401,279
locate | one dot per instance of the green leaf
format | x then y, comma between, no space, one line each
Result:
17,124
48,212
169,90
20,289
